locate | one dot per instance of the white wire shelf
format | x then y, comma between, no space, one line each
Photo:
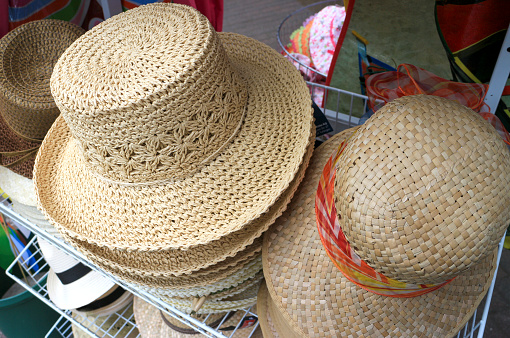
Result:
343,110
63,325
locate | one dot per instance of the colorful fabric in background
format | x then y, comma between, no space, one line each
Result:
84,13
212,9
412,80
87,13
339,250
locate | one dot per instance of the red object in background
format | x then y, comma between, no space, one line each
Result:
87,13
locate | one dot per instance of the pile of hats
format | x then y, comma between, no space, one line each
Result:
176,148
394,230
27,109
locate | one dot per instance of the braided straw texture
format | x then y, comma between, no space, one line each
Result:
11,142
272,322
315,297
154,101
231,190
159,268
150,324
27,56
235,278
19,188
420,189
235,302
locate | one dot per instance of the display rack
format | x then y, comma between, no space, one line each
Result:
339,112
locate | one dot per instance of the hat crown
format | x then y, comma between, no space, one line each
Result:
149,94
419,189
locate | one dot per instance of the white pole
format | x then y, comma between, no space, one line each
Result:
499,75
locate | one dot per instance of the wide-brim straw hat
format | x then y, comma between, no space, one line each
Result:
228,117
116,325
152,323
27,109
314,298
227,252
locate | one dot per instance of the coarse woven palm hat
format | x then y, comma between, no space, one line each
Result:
21,191
178,138
417,194
119,324
154,323
27,109
71,284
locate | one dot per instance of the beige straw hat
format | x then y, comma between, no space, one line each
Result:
152,268
418,194
153,323
27,110
171,140
21,191
248,270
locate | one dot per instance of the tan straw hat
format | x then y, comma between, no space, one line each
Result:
154,323
175,136
21,191
417,196
27,110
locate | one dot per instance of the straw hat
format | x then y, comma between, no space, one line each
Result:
247,272
24,202
239,128
153,323
417,192
72,284
27,110
161,279
116,325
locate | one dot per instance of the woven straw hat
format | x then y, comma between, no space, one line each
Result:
419,185
179,139
21,191
230,251
153,323
27,110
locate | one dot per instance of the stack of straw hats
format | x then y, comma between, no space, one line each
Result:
394,229
176,148
27,109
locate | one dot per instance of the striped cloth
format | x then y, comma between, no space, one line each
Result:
411,80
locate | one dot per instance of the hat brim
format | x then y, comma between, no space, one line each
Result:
152,268
320,296
150,323
225,195
18,187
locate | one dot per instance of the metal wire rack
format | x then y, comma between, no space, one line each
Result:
292,22
339,115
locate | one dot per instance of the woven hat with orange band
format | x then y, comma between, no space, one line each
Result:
394,230
27,110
